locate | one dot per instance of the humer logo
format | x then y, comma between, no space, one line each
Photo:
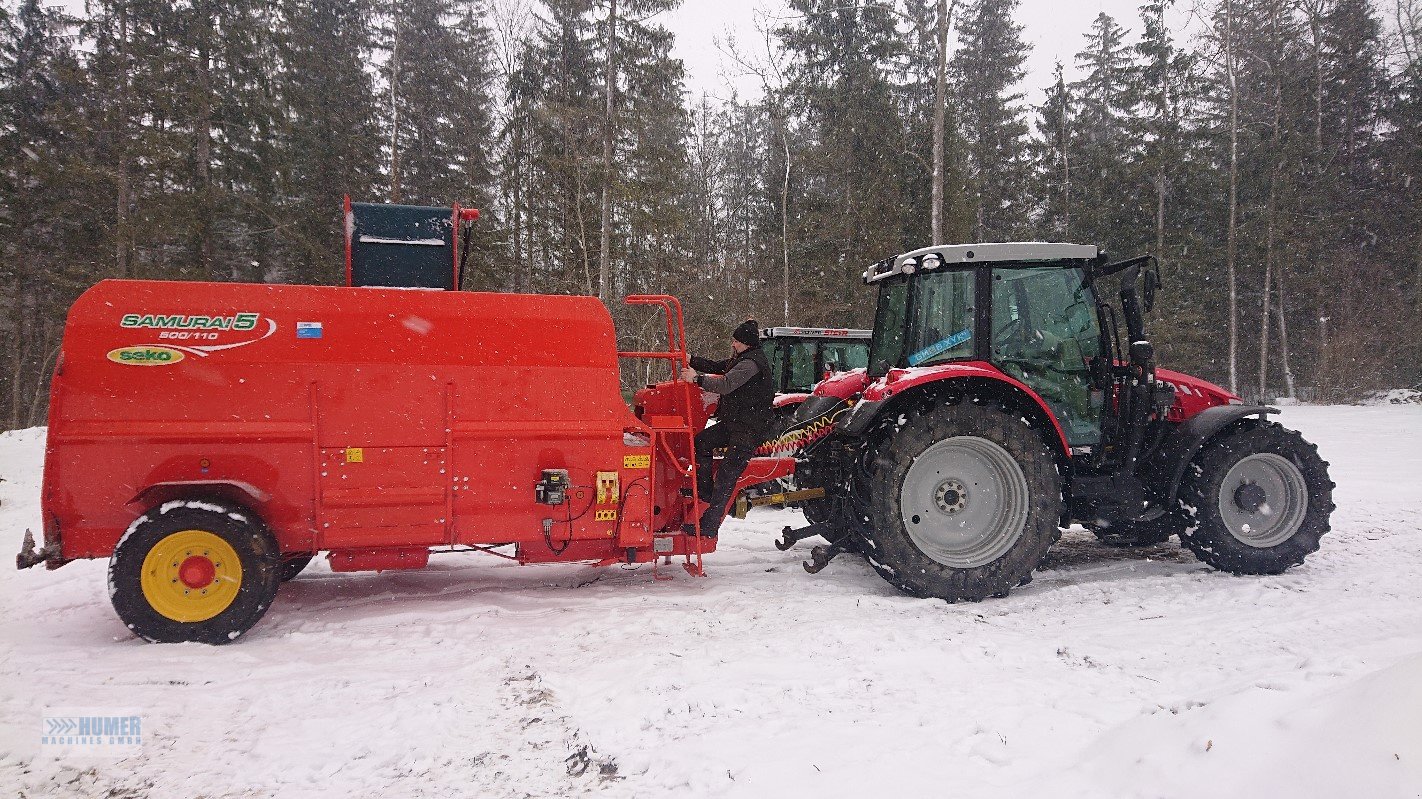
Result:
91,731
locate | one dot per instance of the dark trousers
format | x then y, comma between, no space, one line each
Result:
740,444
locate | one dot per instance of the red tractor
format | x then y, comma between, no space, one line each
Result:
1002,404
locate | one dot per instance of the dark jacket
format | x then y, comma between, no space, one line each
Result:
750,406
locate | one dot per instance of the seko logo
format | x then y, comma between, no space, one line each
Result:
145,356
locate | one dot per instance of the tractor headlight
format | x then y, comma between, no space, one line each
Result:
932,261
909,266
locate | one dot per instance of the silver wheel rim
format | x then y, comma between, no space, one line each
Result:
1263,500
964,502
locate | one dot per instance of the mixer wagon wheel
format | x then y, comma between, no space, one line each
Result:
194,571
965,502
291,565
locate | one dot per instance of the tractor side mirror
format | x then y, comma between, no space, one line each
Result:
1152,282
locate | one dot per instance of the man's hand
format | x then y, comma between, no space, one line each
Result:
688,374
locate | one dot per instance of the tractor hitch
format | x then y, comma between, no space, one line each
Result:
29,556
790,537
820,557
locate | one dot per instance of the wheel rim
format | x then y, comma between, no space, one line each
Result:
191,575
964,502
1263,499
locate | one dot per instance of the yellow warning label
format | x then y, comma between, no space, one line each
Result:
636,461
355,455
605,516
607,488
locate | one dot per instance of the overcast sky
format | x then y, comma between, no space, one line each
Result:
1054,29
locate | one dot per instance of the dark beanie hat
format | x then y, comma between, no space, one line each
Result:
748,333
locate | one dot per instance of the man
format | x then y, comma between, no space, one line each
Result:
743,418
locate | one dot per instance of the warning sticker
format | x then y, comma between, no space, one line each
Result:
355,455
636,461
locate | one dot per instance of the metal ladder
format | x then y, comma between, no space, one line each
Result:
677,356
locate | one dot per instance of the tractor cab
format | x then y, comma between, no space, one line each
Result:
800,357
1026,308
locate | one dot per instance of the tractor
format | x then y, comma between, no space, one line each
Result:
1002,403
800,357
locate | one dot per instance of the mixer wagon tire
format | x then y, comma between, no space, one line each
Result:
194,571
291,565
1141,533
965,504
1259,499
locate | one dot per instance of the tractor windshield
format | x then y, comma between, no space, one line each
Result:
942,325
886,348
1044,331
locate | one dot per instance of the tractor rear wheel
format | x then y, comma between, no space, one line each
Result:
1140,533
965,504
194,571
1259,499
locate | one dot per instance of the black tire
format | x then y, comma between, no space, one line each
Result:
1027,521
1141,533
291,565
155,533
1292,499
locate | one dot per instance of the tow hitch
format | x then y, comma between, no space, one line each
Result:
29,556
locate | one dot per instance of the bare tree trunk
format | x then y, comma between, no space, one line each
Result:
121,223
18,350
1280,311
520,278
1064,137
785,222
203,146
1264,316
583,235
1230,245
940,114
610,86
395,116
1324,353
42,369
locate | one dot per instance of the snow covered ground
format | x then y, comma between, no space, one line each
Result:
1113,674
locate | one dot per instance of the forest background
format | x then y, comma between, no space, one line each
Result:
1271,158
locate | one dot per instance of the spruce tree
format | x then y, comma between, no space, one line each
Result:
987,69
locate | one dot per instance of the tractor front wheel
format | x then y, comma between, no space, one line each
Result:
194,571
1259,498
966,504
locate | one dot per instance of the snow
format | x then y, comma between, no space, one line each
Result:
432,242
1114,673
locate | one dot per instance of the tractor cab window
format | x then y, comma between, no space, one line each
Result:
886,348
775,354
1044,331
801,373
942,324
841,356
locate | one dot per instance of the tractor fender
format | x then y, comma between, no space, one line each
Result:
889,393
1167,465
238,491
788,400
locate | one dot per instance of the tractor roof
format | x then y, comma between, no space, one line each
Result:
814,332
955,254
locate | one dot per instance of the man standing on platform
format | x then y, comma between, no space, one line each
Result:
744,416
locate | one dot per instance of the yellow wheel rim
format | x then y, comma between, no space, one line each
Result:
191,575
